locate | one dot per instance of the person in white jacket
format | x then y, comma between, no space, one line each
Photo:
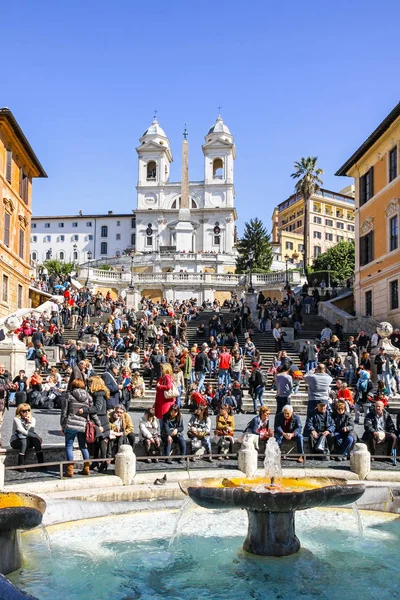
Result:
150,435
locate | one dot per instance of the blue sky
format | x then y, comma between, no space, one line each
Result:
83,78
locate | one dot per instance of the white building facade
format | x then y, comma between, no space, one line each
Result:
76,238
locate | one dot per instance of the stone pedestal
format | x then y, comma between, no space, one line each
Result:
184,231
125,464
10,555
289,337
13,356
271,534
251,299
132,299
248,457
360,461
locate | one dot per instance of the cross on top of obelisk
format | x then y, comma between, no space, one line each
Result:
185,132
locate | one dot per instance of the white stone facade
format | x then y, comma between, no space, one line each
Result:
211,221
70,238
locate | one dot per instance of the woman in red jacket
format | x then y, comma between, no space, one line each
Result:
164,383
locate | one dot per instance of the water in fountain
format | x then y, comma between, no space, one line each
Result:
356,513
187,506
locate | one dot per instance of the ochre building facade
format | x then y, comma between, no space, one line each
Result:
18,167
375,169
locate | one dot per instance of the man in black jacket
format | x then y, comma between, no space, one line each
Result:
320,424
288,426
201,366
379,428
344,435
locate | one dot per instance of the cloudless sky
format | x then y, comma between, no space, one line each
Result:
83,78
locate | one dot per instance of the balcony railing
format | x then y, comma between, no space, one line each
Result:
221,280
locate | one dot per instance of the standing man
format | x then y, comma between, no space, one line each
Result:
276,332
201,366
284,387
224,364
319,383
256,386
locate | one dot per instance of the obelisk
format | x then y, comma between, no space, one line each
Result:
184,228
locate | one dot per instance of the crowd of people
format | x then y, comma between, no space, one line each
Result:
149,349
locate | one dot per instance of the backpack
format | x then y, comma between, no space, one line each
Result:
264,378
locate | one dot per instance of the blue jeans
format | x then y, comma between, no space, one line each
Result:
258,395
343,442
180,440
299,442
213,366
263,323
70,436
349,376
310,364
224,377
200,380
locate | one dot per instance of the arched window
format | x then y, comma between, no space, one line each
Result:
104,231
177,203
218,168
49,254
34,255
151,170
75,255
103,248
61,255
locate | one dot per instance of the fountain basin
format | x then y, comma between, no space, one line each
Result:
271,509
18,511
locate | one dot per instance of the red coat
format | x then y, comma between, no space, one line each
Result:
162,404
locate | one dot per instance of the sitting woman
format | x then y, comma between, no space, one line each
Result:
338,367
172,432
249,348
225,428
24,435
150,434
259,425
199,430
138,385
121,429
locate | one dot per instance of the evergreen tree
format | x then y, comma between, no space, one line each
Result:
340,258
256,239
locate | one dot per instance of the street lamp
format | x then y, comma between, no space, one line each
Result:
89,256
287,259
131,253
250,264
329,276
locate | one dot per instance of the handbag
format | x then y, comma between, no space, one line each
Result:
90,432
172,393
320,446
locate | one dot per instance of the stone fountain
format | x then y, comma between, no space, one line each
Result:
18,511
271,502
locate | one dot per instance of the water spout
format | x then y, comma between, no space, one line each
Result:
272,462
357,516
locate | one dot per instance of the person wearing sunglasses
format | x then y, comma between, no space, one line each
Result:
24,435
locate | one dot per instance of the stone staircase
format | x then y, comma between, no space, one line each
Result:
264,342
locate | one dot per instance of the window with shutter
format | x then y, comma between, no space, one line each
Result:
7,226
367,186
5,289
366,248
20,295
8,165
393,164
21,245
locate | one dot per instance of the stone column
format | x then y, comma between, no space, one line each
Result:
360,461
125,464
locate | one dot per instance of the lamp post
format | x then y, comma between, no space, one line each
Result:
131,253
329,277
89,255
74,247
287,259
250,264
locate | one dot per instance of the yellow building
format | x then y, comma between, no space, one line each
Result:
374,167
331,220
18,166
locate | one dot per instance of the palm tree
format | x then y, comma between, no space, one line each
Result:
309,182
